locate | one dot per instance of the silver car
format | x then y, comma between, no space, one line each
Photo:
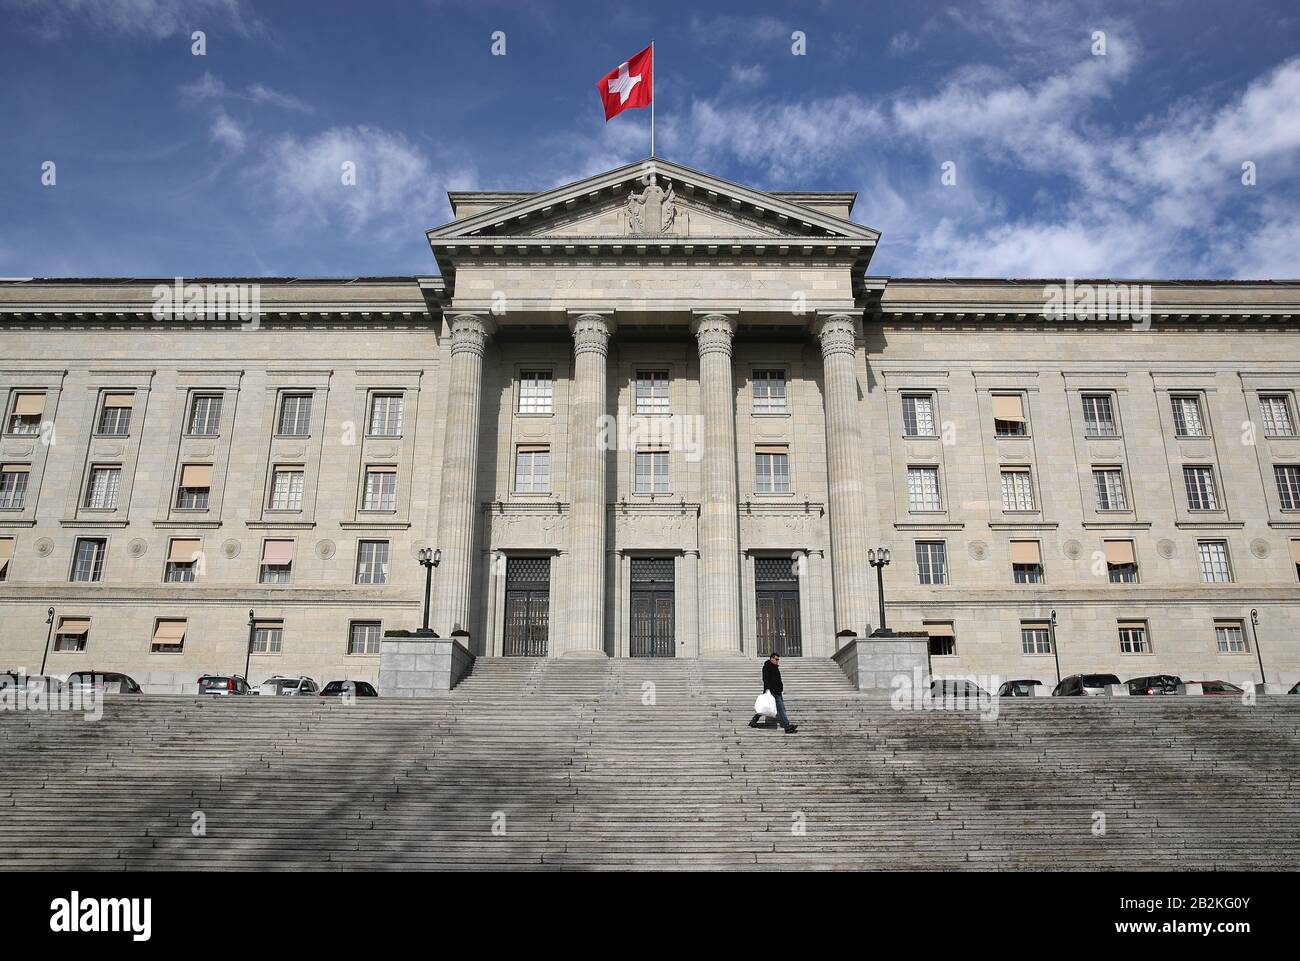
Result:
278,686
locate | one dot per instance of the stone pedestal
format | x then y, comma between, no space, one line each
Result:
873,662
421,664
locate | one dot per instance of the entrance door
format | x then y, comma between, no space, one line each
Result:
653,612
528,606
777,602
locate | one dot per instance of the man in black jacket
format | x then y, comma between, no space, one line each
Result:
772,684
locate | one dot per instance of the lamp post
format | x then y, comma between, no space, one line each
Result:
1254,630
429,558
1051,627
49,619
879,559
248,655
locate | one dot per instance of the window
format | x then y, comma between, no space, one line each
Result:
205,415
1200,489
101,492
1009,415
1110,489
386,415
295,415
652,391
1121,562
772,469
268,637
651,474
1026,562
1035,637
931,562
182,560
277,562
72,634
88,559
923,489
169,635
1214,562
363,637
1017,489
286,489
372,562
533,470
6,556
1133,638
196,482
1098,415
1187,416
943,639
381,489
1288,485
27,413
769,392
1276,411
536,392
115,414
918,415
13,485
1230,637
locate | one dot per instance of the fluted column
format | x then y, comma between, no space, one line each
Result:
719,524
586,631
456,505
848,516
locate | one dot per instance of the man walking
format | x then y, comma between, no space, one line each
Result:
772,684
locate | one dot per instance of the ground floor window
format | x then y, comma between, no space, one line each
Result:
1133,638
363,637
1230,637
1035,638
943,638
268,637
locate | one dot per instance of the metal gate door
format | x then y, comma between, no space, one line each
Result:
528,606
777,603
653,614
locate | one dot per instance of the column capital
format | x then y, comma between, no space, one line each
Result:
713,331
837,332
470,332
591,331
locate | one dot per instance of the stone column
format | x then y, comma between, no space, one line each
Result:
586,633
457,509
848,512
719,524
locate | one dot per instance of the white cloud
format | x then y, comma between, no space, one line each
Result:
157,19
227,133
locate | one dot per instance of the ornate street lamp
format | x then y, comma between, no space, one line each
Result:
49,619
429,559
1254,629
248,655
1051,626
879,559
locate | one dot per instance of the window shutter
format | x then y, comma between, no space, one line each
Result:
30,405
1008,407
1026,552
277,553
1119,552
170,632
119,400
183,550
196,475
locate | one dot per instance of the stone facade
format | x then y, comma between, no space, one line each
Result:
725,396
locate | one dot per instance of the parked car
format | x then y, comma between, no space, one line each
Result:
279,686
1018,688
31,682
356,688
223,684
941,687
1222,688
1155,684
1295,688
106,682
1080,685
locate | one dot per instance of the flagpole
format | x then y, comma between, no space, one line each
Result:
654,69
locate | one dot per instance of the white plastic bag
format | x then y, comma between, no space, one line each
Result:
765,705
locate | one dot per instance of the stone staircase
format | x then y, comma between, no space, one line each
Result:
554,764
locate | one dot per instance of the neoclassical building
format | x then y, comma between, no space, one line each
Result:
649,413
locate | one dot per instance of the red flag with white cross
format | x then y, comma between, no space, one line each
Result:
630,84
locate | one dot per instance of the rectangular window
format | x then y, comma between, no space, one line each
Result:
26,416
102,490
772,469
1026,562
1133,638
372,562
1187,416
1276,411
268,637
88,559
295,415
363,637
286,489
72,634
1098,415
1121,562
1230,637
6,557
536,392
651,473
1214,562
386,412
196,483
533,470
1288,485
169,635
931,562
943,638
769,392
1009,415
918,415
13,485
182,560
1035,637
923,489
115,414
277,562
381,489
1200,488
205,415
1017,489
652,392
1109,482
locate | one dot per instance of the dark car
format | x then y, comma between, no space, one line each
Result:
1221,688
1295,688
31,682
107,682
1018,688
223,684
1155,684
1084,685
357,688
940,687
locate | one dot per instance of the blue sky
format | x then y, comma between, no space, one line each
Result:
1067,163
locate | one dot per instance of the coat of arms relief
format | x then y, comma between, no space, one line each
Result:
655,211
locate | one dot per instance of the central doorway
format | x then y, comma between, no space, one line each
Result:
776,585
653,612
528,606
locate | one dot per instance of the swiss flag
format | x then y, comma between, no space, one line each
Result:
630,84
